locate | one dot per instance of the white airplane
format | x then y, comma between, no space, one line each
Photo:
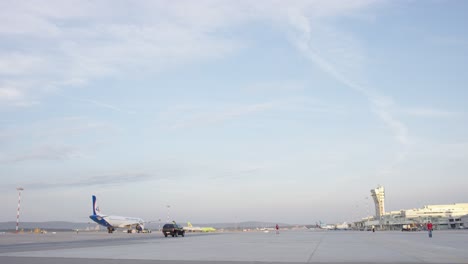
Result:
112,222
325,226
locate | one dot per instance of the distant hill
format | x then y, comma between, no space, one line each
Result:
53,225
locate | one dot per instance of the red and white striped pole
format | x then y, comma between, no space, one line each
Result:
19,203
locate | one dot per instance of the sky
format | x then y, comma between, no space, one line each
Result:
231,111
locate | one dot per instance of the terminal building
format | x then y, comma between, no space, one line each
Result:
446,216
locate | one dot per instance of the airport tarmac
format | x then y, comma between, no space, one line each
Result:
303,246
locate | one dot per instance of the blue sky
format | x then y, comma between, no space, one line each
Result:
287,111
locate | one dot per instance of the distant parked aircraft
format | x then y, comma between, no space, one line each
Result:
111,222
343,226
325,226
208,229
191,228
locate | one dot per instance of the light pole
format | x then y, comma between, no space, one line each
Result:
19,189
368,212
168,215
355,216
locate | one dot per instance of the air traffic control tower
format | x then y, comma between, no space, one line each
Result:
379,200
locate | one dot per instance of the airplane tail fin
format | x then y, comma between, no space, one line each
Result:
96,210
189,224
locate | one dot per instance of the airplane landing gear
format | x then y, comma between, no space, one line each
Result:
110,230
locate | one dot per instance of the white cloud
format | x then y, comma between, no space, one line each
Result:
101,104
19,64
189,116
269,86
340,56
45,152
13,22
430,112
84,40
107,180
181,117
52,139
9,94
399,129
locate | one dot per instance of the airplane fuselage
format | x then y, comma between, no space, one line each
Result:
112,221
192,229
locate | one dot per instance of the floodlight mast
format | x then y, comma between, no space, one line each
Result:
19,189
168,213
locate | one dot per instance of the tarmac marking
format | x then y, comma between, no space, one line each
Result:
315,249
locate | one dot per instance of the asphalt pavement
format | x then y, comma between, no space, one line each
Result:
300,246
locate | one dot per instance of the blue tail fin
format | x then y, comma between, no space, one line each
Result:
94,205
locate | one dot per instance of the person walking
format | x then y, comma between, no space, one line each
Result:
429,228
277,229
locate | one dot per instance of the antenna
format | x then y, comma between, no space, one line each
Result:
19,189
